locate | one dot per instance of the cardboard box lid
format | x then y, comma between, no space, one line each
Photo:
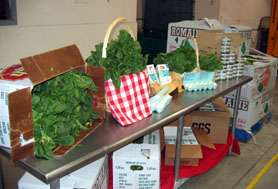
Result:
241,28
219,105
52,63
206,24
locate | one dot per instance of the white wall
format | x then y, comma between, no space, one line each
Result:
235,12
209,9
45,25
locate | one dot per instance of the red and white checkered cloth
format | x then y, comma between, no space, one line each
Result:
131,102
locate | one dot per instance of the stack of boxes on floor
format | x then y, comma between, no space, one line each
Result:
256,96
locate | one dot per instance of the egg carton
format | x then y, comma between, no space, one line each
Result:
199,81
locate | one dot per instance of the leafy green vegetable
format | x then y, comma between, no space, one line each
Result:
183,60
209,62
123,57
249,59
61,108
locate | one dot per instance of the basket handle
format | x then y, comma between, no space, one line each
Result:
109,30
196,50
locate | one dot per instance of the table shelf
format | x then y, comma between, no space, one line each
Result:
110,135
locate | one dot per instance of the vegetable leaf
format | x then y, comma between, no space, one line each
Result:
61,108
123,57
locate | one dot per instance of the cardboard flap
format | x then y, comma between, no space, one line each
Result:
203,138
97,74
213,24
187,151
51,64
21,123
220,105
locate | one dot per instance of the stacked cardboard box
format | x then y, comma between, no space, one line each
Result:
256,96
214,123
178,31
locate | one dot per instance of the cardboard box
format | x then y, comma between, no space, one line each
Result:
191,151
214,123
138,165
16,104
250,111
245,32
178,31
264,73
94,175
210,42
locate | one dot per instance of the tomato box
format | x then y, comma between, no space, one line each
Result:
16,85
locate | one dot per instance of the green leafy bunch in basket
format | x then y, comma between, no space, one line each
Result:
61,107
183,60
123,57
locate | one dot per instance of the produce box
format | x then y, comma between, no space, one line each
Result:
245,31
94,175
138,165
250,111
178,31
210,42
264,73
16,102
191,151
214,123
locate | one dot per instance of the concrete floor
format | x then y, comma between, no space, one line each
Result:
235,171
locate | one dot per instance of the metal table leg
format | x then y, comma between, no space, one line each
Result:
55,184
1,175
238,90
178,181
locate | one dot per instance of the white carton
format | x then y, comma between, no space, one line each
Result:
178,31
152,74
6,87
264,73
138,165
250,111
163,72
94,175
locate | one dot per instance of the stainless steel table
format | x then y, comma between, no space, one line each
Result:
110,136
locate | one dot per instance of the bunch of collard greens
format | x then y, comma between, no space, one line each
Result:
123,57
61,108
183,60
